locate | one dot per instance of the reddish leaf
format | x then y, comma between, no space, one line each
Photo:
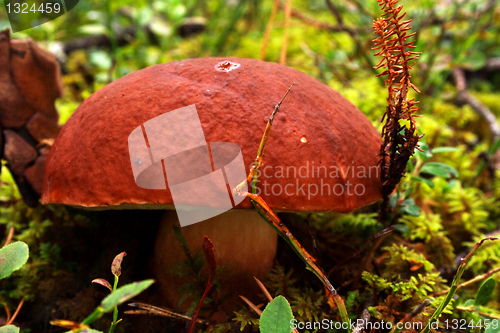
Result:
116,266
208,250
104,283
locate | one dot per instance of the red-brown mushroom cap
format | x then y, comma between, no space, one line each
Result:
317,133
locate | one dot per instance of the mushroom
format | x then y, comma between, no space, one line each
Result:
322,155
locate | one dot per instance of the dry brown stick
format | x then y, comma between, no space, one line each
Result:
477,106
269,28
251,305
149,309
492,64
319,60
465,97
365,315
7,313
322,25
335,11
482,313
358,251
9,236
368,257
284,47
264,289
15,313
359,46
410,315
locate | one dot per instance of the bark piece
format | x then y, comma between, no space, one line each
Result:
35,72
14,109
29,195
40,127
18,152
34,174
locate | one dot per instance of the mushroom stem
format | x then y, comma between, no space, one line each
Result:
243,243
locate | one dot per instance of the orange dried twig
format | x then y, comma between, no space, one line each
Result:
284,47
9,237
269,28
11,319
268,215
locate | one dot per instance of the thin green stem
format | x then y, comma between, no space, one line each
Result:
98,312
454,284
115,310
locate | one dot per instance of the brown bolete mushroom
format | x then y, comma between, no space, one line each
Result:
321,156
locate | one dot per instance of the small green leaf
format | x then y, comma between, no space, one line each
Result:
393,200
439,169
93,29
402,228
429,182
485,291
9,329
408,206
160,27
412,210
101,59
123,294
12,257
493,327
426,154
469,302
410,166
445,150
276,317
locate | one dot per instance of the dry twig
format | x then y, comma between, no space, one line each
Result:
284,47
464,97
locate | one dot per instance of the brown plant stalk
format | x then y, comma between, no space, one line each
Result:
399,132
